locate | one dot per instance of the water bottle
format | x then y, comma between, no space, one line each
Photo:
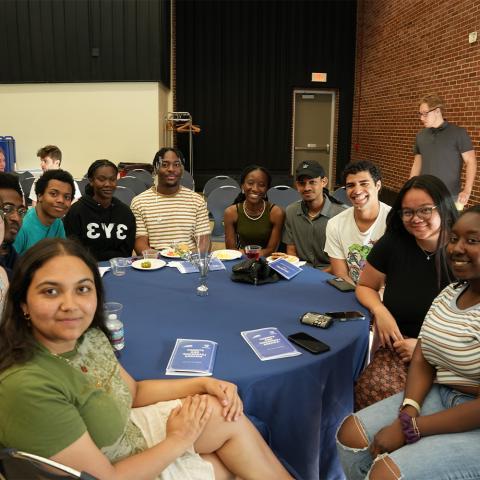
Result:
115,327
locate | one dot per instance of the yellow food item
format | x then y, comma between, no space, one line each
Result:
146,264
223,256
181,249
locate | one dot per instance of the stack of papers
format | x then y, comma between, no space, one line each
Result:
192,358
269,343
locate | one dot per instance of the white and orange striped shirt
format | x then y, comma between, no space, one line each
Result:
168,218
451,339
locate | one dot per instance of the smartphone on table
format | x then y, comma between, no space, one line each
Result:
324,320
306,341
341,284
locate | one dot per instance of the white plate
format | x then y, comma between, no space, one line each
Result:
156,264
169,253
227,254
288,258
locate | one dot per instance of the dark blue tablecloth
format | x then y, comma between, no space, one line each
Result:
301,399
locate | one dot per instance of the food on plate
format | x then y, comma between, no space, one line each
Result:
180,249
146,264
277,255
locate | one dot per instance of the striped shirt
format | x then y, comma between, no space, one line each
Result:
451,339
168,218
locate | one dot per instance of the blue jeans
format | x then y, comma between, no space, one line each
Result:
451,456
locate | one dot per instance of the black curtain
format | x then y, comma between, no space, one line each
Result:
85,40
237,64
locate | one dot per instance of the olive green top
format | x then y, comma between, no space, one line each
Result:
253,232
49,402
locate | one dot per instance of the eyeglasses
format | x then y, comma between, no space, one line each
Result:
8,210
425,114
424,213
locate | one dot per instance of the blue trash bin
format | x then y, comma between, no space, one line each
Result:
7,144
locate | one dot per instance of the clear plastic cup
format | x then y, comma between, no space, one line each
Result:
253,251
149,254
113,308
119,266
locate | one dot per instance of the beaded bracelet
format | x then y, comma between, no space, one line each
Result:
409,428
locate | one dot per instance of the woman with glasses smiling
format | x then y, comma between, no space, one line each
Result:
409,262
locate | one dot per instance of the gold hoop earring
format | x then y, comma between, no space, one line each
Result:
26,316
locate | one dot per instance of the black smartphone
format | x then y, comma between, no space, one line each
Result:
345,315
308,342
341,284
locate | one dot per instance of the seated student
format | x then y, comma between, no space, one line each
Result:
101,222
168,212
306,221
3,162
352,233
409,261
64,395
54,190
3,272
432,430
14,210
50,159
252,219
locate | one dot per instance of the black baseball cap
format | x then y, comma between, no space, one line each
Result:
309,168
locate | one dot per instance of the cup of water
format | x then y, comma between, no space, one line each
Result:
119,266
150,254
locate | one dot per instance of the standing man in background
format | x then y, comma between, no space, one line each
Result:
441,148
50,159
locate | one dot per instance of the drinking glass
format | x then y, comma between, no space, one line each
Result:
201,259
119,266
149,254
253,251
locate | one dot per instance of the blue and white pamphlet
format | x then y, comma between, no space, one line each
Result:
285,268
269,343
192,358
187,267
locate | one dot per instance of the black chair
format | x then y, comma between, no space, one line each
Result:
25,174
217,202
26,185
218,181
82,183
142,175
187,180
16,465
283,195
124,194
341,195
134,184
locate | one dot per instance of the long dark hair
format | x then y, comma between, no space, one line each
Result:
241,196
103,162
445,207
17,344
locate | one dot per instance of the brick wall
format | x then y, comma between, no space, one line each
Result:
406,49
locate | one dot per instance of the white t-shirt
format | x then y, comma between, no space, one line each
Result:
346,242
33,196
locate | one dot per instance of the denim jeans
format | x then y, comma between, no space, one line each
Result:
452,456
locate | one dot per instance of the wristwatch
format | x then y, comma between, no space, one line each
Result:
411,403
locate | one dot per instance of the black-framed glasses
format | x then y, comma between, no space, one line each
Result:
424,114
8,209
424,213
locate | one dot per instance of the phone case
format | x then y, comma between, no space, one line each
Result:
306,341
341,284
315,319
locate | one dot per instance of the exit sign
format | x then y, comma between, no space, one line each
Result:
319,77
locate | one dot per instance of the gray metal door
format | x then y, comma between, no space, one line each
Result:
313,117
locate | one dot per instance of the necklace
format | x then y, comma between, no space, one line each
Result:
259,215
429,255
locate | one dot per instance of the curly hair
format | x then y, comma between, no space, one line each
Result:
17,344
60,175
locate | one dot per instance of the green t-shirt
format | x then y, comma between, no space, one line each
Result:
49,402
